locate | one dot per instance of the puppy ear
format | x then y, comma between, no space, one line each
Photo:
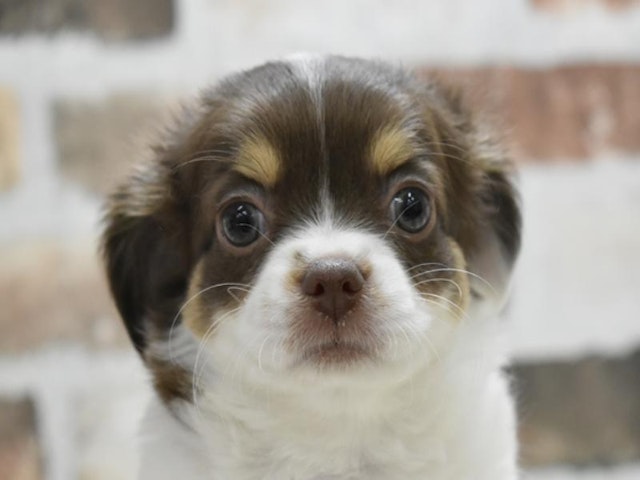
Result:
484,213
145,247
492,255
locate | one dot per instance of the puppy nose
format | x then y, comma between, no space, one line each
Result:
334,285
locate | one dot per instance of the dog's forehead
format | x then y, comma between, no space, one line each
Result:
313,121
313,124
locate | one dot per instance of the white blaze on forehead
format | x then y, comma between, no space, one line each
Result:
324,209
327,241
310,68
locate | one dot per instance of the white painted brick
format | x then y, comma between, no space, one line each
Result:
578,280
88,408
110,409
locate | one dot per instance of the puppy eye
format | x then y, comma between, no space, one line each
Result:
242,224
411,209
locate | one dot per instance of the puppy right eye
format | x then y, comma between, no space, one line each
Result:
242,224
411,209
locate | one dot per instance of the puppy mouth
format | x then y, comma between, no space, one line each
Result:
322,341
336,353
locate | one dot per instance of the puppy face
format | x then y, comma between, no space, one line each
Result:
314,217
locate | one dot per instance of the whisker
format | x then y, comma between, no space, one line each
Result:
204,158
458,317
196,376
186,303
396,221
208,334
446,144
233,295
427,264
454,157
213,151
241,354
432,347
259,232
457,307
404,333
262,345
448,280
425,335
461,270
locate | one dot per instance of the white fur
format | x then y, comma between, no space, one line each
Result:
435,407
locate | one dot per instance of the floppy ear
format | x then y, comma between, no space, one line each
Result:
484,216
493,254
145,247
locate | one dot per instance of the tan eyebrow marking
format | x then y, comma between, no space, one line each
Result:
258,160
391,147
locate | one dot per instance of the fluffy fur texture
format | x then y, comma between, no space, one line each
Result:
310,268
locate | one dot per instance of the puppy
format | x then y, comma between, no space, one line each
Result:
310,269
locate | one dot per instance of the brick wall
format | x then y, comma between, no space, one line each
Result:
83,84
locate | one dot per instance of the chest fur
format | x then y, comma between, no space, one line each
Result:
412,434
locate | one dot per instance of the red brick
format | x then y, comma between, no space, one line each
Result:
573,112
583,412
111,20
51,292
125,20
20,455
99,141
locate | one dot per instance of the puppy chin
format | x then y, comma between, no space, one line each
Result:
277,331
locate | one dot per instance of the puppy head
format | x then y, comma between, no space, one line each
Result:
317,215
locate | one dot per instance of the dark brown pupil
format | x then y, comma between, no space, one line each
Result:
242,224
410,209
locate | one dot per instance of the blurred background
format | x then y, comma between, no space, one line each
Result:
85,83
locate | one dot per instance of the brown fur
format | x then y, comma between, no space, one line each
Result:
390,149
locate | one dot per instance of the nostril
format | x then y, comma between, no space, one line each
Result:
353,285
317,290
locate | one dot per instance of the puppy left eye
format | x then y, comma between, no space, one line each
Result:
242,224
411,209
